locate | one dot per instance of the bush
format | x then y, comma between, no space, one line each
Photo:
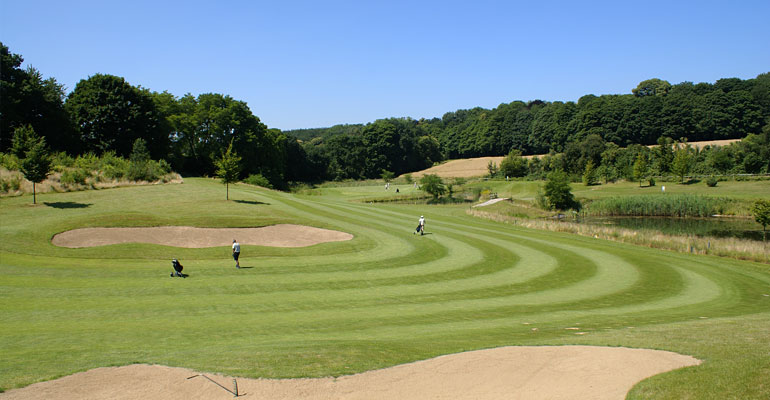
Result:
149,171
76,176
258,180
145,171
10,184
88,162
163,167
62,159
9,161
113,167
114,172
711,181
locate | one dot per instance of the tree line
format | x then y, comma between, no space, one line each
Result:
655,112
105,113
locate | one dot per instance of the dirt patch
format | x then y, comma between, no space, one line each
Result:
282,235
561,372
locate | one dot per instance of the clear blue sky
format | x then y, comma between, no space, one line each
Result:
306,64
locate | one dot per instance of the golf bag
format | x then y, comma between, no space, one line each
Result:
177,268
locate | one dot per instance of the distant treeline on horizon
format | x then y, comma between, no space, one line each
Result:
731,108
104,113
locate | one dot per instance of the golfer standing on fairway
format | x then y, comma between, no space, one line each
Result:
236,253
421,225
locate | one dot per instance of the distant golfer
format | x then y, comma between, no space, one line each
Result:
236,253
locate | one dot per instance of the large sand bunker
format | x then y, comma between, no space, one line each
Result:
282,235
561,372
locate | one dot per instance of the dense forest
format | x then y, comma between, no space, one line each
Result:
105,114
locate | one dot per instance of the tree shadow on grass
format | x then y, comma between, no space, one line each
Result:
252,202
67,204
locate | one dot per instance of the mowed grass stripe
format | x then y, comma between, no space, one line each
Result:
614,273
280,318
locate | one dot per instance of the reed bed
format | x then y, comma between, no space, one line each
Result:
741,249
661,205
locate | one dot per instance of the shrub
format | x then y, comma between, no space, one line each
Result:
10,184
113,167
163,167
75,176
149,171
9,161
258,180
62,159
711,181
114,172
88,161
146,171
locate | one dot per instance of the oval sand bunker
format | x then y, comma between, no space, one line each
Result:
526,373
282,235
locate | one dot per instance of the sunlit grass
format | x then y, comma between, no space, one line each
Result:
384,298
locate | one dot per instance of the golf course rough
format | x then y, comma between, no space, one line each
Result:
384,298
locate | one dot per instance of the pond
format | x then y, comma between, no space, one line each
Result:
742,228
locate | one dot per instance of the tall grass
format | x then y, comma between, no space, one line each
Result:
662,205
741,249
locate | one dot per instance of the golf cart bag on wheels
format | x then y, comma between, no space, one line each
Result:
177,268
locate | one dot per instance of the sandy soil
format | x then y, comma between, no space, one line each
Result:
471,167
560,372
282,235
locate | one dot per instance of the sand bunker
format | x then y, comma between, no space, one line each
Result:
561,372
283,235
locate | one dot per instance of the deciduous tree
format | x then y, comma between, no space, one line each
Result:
433,184
36,164
641,167
229,168
761,211
110,114
682,161
558,191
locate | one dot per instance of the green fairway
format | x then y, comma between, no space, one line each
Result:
384,298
